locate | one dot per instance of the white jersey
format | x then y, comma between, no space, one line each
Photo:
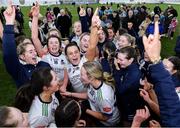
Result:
76,39
41,114
58,64
103,100
74,74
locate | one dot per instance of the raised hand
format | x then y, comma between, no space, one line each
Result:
141,115
82,11
152,44
35,10
9,14
96,22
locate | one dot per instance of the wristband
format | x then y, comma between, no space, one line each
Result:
156,61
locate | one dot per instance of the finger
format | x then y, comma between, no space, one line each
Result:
96,12
145,42
37,2
13,9
152,122
146,109
138,112
141,82
156,30
140,89
83,122
143,90
142,112
9,2
141,94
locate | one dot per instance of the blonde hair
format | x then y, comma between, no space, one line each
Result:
84,34
76,23
94,69
129,38
21,48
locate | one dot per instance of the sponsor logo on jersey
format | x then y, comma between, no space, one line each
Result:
107,109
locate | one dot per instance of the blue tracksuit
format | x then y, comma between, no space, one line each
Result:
127,83
19,72
169,103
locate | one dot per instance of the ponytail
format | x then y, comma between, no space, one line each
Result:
108,79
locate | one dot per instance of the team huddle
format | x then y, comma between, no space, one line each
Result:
107,73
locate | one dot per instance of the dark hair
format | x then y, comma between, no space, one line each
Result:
112,28
20,39
104,29
4,115
122,31
176,64
54,36
84,34
67,113
24,98
110,48
129,51
149,16
70,45
41,77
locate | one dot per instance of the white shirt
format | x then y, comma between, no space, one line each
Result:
74,74
58,64
41,114
103,100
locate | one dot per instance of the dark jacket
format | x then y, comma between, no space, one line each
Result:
169,103
127,83
176,80
19,72
177,47
63,24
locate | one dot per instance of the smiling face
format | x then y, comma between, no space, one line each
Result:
54,45
73,55
101,35
29,55
110,34
122,41
84,43
77,28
